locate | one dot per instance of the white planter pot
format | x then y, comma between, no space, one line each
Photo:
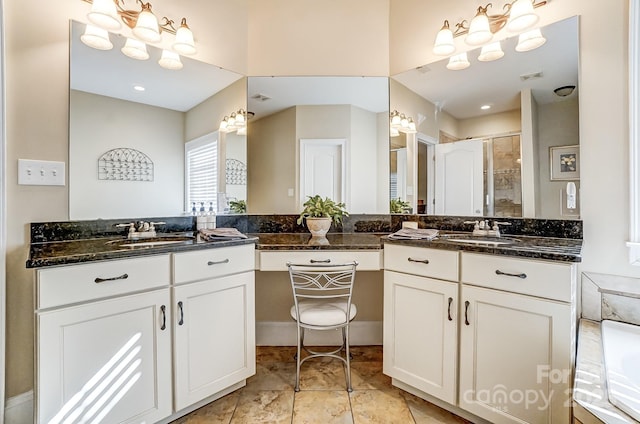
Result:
318,226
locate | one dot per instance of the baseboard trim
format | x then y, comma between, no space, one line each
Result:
19,409
283,333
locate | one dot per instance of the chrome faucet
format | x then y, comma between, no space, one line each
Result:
482,228
143,230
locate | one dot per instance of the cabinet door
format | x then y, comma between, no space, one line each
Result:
420,333
214,323
107,361
515,357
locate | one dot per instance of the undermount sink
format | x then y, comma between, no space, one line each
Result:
479,240
153,242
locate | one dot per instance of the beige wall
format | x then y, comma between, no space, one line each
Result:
298,37
493,124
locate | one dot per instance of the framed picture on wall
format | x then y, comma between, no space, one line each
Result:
565,162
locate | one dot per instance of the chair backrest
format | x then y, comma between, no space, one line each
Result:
322,281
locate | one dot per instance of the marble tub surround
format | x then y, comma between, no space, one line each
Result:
591,404
361,223
610,297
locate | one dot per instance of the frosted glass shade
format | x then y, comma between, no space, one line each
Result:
443,45
491,52
184,43
96,38
147,28
530,40
135,49
170,60
522,16
458,62
104,14
479,30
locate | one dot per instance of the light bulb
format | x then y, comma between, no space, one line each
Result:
104,14
147,28
443,45
479,30
170,60
184,43
135,49
96,38
521,16
491,52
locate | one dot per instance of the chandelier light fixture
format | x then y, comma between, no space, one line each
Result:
519,17
110,15
399,122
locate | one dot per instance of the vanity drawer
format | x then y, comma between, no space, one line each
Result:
77,283
550,280
434,263
368,260
211,263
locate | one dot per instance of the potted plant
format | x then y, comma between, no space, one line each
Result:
238,206
399,206
319,213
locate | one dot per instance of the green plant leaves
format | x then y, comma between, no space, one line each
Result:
317,207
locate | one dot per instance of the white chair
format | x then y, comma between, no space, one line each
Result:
322,301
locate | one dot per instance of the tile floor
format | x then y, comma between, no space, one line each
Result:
269,397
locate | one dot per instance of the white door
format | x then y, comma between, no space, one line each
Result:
322,169
459,178
515,357
106,361
214,336
420,333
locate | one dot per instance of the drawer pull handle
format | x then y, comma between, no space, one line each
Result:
164,317
422,261
181,320
466,312
99,280
226,261
449,309
323,261
523,275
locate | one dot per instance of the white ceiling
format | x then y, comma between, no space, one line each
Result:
498,83
111,73
369,93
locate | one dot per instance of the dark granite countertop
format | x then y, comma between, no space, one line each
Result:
547,248
105,248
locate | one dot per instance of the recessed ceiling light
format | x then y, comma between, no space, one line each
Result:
485,107
138,88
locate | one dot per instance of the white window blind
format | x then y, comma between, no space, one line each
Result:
201,170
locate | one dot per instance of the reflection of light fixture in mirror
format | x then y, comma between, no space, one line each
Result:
458,62
97,38
236,121
399,122
104,14
184,43
522,16
170,60
565,90
530,40
479,30
135,49
491,52
519,16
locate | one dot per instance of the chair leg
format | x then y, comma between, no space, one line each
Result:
298,357
347,357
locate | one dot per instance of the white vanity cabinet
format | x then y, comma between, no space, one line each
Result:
214,321
517,338
103,342
420,319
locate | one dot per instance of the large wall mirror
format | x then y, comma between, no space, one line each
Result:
129,121
318,135
494,139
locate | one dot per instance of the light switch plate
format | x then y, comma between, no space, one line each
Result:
40,172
